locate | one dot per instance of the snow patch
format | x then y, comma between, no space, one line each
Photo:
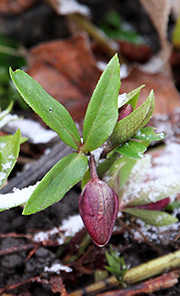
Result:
121,99
71,6
7,118
97,153
16,198
32,130
69,227
72,225
156,180
56,268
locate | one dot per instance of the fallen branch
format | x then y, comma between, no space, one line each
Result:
138,274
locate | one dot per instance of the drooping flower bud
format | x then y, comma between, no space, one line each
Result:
124,111
98,205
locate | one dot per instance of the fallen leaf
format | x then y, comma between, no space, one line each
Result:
67,71
158,12
167,98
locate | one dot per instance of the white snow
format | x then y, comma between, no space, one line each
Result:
4,170
121,99
7,118
17,197
97,153
44,235
56,268
2,177
160,235
7,165
69,227
33,130
2,145
71,6
124,71
154,65
101,65
72,225
157,179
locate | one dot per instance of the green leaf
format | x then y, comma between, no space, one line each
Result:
132,149
119,173
155,218
116,263
102,112
59,180
4,140
106,164
85,179
9,152
6,111
148,133
126,127
131,98
50,110
174,205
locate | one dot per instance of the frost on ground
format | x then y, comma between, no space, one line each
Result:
16,198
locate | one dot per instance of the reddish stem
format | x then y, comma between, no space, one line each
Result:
92,167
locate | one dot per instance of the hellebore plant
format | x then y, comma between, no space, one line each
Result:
112,126
9,146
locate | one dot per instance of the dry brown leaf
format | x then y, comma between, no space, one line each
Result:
15,6
167,98
67,71
158,12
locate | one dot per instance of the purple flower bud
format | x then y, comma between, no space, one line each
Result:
124,111
98,206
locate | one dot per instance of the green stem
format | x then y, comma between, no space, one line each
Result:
92,167
152,268
137,274
11,51
110,46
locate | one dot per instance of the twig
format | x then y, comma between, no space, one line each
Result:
152,268
136,274
12,51
162,282
108,45
18,249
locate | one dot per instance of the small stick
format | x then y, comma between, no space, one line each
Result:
136,274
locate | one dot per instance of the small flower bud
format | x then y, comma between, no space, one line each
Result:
98,206
124,111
